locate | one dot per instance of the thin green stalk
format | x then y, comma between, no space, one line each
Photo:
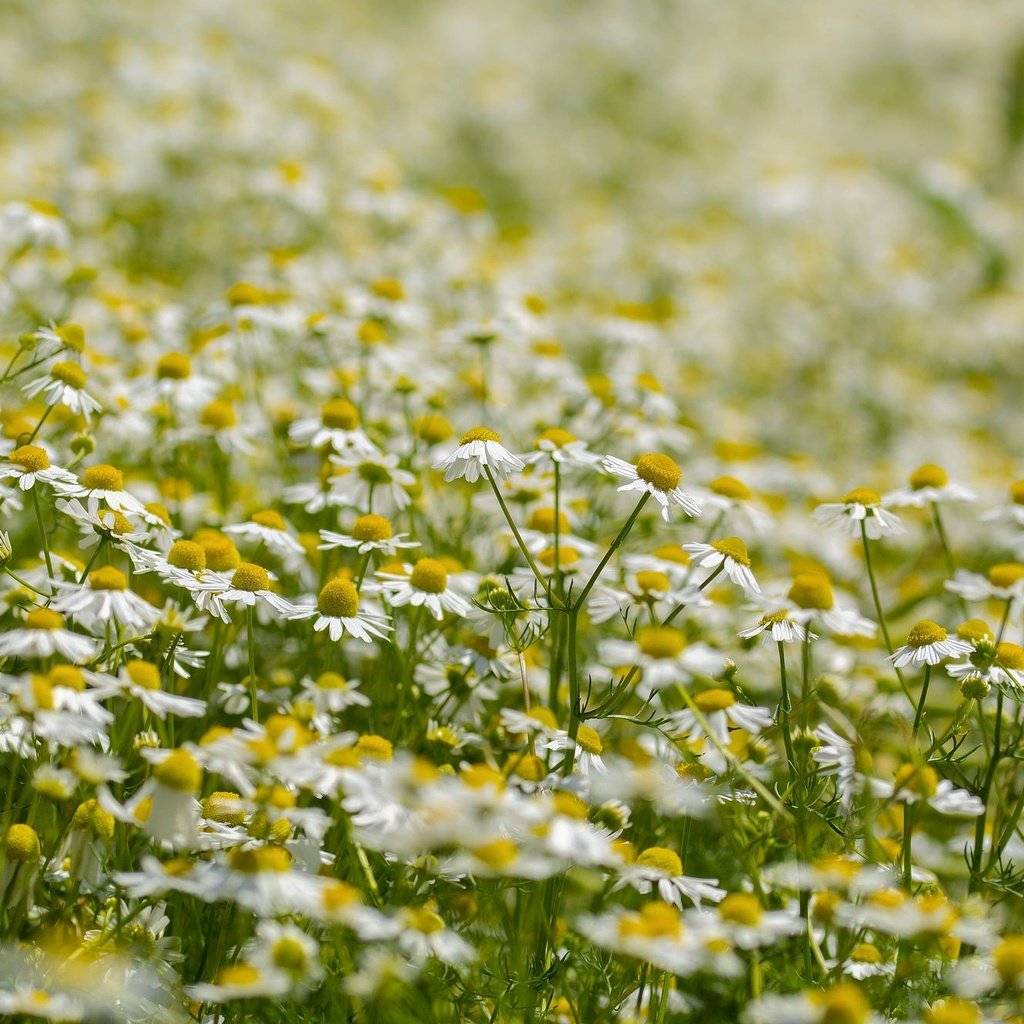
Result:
612,548
785,709
42,532
250,621
878,608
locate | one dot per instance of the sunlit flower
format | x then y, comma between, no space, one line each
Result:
861,509
657,475
480,450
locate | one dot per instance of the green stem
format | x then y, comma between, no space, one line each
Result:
878,608
42,532
921,702
986,787
785,708
612,548
250,621
39,425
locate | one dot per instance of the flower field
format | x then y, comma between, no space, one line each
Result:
512,513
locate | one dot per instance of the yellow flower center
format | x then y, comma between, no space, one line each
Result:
89,816
730,487
842,1004
1017,492
108,578
734,548
926,632
261,858
290,955
340,894
974,631
371,528
21,844
811,590
1005,574
650,581
866,953
143,674
741,908
68,676
224,807
375,748
69,373
928,475
73,336
543,521
44,618
715,699
662,859
556,436
331,681
920,779
654,920
862,496
567,556
270,519
187,554
179,771
773,618
423,919
339,414
174,366
338,599
479,434
530,768
544,715
245,294
218,415
952,1011
30,458
433,428
659,471
497,855
388,288
430,576
589,740
1010,656
238,976
114,521
220,551
569,805
42,693
660,642
672,553
103,478
1008,959
249,576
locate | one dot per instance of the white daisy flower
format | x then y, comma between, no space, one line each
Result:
337,425
731,554
141,679
371,480
426,586
65,385
929,484
721,711
103,484
247,585
338,611
1003,582
42,635
860,509
557,446
914,782
369,533
479,449
778,627
927,644
663,657
30,464
656,475
269,528
105,597
660,868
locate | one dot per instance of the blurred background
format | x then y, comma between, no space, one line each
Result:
815,206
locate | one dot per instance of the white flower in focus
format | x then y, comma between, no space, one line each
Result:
658,476
479,449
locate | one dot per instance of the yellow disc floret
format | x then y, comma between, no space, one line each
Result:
375,748
251,577
372,528
108,578
69,373
339,414
741,908
479,434
270,519
143,674
187,554
1008,959
1006,574
589,740
952,1011
29,458
102,477
174,366
734,548
44,618
556,436
338,599
842,1004
659,471
179,771
928,475
220,551
715,699
926,632
21,844
1010,656
660,642
430,576
862,496
811,590
661,859
730,487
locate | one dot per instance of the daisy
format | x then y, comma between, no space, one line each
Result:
778,627
745,922
811,594
837,757
659,867
241,980
65,385
859,510
42,635
247,585
371,479
368,533
656,475
30,464
727,496
993,664
480,449
1003,581
729,553
913,783
269,528
556,446
337,611
102,483
663,657
720,710
332,693
928,484
141,679
927,644
284,947
426,585
587,749
104,598
337,425
844,1001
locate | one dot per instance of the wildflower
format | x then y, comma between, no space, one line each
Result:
269,528
247,585
720,710
778,627
365,481
368,533
927,644
42,635
141,679
30,464
337,425
657,475
241,980
65,385
104,484
663,657
556,446
731,554
337,610
861,509
479,449
659,867
105,597
928,484
426,585
1003,581
913,783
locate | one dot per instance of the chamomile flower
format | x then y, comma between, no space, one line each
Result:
337,610
556,446
105,597
927,644
1004,581
65,385
479,450
241,980
778,627
720,710
660,868
426,586
368,533
859,510
657,475
587,749
246,586
370,481
729,553
141,680
727,497
30,464
915,782
42,634
928,484
663,657
337,425
102,484
269,528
